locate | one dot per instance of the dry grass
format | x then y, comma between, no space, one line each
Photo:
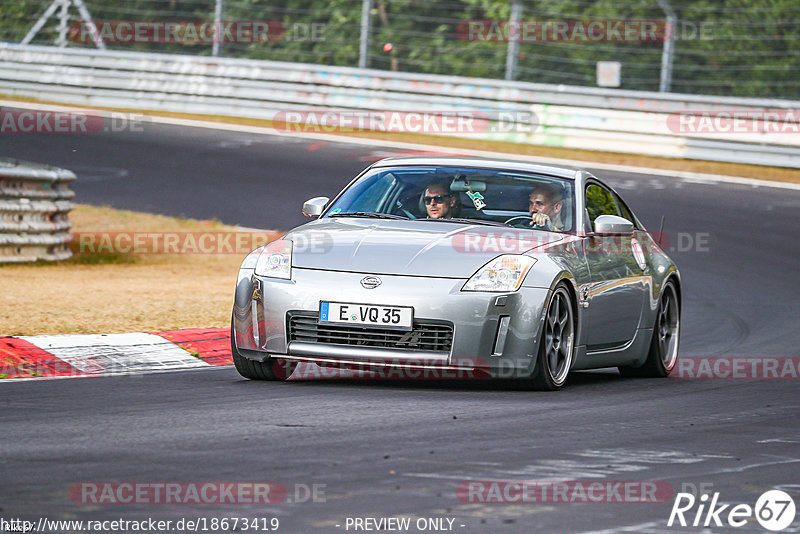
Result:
115,292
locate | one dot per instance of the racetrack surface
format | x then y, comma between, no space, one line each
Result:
402,448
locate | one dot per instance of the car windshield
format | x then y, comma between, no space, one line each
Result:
460,195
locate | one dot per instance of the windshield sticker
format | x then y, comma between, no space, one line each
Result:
477,200
337,210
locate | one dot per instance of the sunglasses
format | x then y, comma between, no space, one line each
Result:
439,199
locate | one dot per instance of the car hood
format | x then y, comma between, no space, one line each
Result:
417,248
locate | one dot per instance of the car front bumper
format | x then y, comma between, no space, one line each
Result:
495,332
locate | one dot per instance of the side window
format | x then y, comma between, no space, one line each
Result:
599,201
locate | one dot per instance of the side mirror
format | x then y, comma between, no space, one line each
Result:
314,207
612,225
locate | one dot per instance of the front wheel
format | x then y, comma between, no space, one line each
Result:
663,354
557,346
272,369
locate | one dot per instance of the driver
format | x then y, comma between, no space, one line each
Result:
439,202
544,204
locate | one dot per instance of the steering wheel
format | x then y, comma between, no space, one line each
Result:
521,217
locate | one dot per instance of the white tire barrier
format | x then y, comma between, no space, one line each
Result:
34,212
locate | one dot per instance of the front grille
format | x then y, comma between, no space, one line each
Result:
425,334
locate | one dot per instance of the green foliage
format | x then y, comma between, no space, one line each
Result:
723,47
599,202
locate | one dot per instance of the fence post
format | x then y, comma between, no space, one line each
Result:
215,47
513,42
363,49
63,21
668,51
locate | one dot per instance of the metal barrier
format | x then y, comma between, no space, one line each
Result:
34,208
559,116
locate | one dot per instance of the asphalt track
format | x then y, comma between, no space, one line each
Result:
387,449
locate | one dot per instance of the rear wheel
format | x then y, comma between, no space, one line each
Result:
663,354
557,346
271,369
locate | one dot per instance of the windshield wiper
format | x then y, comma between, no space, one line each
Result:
468,221
368,215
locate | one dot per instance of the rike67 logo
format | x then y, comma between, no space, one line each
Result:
774,510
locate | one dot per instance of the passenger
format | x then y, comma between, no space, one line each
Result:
545,204
439,202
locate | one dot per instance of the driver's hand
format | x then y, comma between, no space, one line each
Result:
540,219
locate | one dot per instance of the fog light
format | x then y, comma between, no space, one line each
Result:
502,332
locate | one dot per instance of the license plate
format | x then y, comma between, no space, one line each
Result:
399,317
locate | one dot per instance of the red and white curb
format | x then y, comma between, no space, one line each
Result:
63,356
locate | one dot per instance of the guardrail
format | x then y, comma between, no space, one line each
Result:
561,116
34,208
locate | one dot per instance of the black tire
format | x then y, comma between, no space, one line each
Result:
557,344
662,356
271,369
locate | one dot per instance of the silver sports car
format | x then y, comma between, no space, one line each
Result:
461,267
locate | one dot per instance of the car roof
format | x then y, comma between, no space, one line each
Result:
560,171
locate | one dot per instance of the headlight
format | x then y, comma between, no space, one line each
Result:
504,273
275,260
